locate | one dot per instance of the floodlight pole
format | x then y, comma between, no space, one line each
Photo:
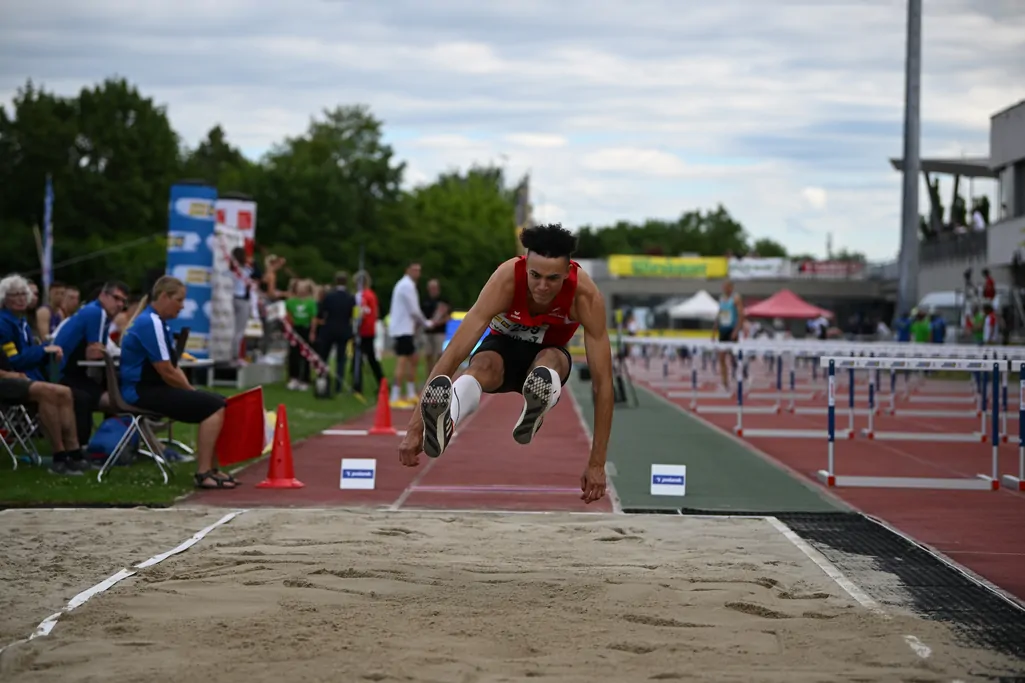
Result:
907,296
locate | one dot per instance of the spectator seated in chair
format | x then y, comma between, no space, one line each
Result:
16,338
55,408
84,337
151,379
17,342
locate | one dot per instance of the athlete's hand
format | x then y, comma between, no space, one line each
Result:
410,448
592,483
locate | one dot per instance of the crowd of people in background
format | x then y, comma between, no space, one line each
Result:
339,321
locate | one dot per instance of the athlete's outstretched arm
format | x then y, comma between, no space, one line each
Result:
590,310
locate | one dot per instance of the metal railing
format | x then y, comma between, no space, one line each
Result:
953,247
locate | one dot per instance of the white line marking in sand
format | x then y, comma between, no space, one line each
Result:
826,566
852,589
918,647
47,625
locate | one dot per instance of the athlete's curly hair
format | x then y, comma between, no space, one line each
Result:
550,240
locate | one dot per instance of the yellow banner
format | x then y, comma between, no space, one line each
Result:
668,266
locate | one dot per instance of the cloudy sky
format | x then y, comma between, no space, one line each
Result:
784,111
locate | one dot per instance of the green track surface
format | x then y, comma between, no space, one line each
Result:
722,475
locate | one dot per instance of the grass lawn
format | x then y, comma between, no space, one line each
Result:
141,483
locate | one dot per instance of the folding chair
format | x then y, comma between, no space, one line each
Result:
137,425
7,433
17,428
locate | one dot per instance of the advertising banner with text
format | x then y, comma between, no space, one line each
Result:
190,258
236,227
829,270
759,268
622,265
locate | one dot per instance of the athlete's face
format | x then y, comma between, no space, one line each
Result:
545,277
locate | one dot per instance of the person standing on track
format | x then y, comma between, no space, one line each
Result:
531,307
367,333
727,326
333,327
438,312
405,317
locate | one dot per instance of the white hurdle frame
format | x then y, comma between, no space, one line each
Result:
1017,483
982,482
798,348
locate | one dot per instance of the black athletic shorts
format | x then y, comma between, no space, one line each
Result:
85,389
726,334
404,345
180,405
14,391
517,357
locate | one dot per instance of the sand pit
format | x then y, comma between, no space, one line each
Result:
302,595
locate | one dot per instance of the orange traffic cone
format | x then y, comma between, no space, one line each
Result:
382,418
280,472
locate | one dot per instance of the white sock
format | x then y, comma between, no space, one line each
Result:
556,387
466,393
411,390
395,392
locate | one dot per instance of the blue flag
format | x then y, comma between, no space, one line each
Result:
47,264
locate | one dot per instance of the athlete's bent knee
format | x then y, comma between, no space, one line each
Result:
555,359
487,368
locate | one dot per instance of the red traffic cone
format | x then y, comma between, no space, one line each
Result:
280,472
382,418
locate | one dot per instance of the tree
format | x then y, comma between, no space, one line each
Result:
321,196
851,256
769,248
711,234
217,162
112,155
333,189
461,228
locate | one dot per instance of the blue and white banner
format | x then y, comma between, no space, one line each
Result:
190,258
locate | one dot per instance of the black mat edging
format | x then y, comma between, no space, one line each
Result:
936,590
650,511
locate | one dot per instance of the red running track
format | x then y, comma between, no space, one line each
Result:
482,469
981,530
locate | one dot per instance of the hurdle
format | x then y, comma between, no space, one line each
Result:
1017,483
971,365
799,349
779,433
981,482
739,407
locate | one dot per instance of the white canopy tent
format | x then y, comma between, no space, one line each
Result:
701,306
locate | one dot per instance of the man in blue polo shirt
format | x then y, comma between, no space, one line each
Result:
152,380
83,337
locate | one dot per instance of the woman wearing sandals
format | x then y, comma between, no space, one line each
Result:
151,380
